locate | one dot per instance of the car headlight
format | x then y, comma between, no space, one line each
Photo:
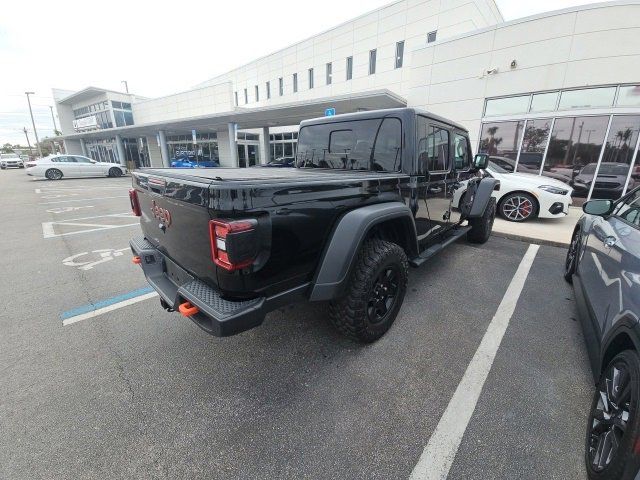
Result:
552,189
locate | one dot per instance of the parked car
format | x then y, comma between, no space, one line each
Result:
10,160
509,164
225,247
55,167
609,184
282,162
192,162
603,263
523,196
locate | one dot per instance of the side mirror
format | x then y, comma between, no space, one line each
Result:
597,207
480,161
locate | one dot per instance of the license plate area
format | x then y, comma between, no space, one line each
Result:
176,274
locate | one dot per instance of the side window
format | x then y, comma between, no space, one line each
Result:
81,160
629,210
433,147
461,153
388,146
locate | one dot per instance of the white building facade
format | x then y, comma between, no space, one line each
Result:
556,94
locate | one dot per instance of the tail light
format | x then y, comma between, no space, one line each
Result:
234,244
135,204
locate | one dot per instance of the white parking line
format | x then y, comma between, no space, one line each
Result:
83,200
438,455
49,232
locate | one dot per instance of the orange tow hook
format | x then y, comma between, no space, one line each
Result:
137,260
186,309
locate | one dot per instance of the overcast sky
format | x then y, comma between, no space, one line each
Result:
158,47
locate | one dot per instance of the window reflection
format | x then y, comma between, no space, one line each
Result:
544,102
618,154
534,143
629,96
501,140
574,150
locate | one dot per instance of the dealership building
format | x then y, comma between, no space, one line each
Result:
555,94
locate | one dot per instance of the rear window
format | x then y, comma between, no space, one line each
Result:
373,144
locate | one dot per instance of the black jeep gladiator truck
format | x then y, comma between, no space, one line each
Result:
370,195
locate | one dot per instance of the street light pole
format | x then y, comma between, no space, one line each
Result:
28,142
35,132
126,85
55,127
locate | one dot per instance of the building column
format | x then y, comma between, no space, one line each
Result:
164,150
120,149
83,146
228,147
265,148
155,155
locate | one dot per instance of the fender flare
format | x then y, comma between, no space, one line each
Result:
485,188
346,239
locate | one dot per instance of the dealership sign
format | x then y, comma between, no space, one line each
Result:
85,123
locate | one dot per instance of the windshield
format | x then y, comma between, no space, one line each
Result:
372,144
607,169
9,155
495,168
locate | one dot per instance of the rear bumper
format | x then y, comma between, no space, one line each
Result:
217,316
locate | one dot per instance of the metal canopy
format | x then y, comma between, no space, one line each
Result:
273,116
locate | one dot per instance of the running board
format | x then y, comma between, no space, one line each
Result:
437,247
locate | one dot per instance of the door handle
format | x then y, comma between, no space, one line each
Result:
610,241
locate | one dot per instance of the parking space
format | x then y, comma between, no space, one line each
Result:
134,391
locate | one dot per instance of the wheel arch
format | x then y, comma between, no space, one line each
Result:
535,199
390,221
624,337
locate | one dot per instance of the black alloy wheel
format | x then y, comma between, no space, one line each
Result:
571,261
115,172
53,174
383,295
612,429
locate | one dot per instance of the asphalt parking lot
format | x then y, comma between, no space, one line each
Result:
139,392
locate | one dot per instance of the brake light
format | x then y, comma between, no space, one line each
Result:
233,243
135,204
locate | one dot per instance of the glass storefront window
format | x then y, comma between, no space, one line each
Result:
574,150
534,143
507,106
587,98
501,141
629,96
544,102
616,161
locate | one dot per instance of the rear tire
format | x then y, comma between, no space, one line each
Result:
115,172
53,174
613,427
481,227
374,294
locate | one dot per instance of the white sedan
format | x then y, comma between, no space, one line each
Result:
523,196
55,167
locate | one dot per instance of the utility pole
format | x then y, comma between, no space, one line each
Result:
126,85
35,132
55,127
28,142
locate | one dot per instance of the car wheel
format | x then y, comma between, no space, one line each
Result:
3,168
571,261
481,227
53,174
518,207
614,425
115,172
374,294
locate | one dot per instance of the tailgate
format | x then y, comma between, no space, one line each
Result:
175,219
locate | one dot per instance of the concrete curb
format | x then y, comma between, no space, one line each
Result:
523,238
